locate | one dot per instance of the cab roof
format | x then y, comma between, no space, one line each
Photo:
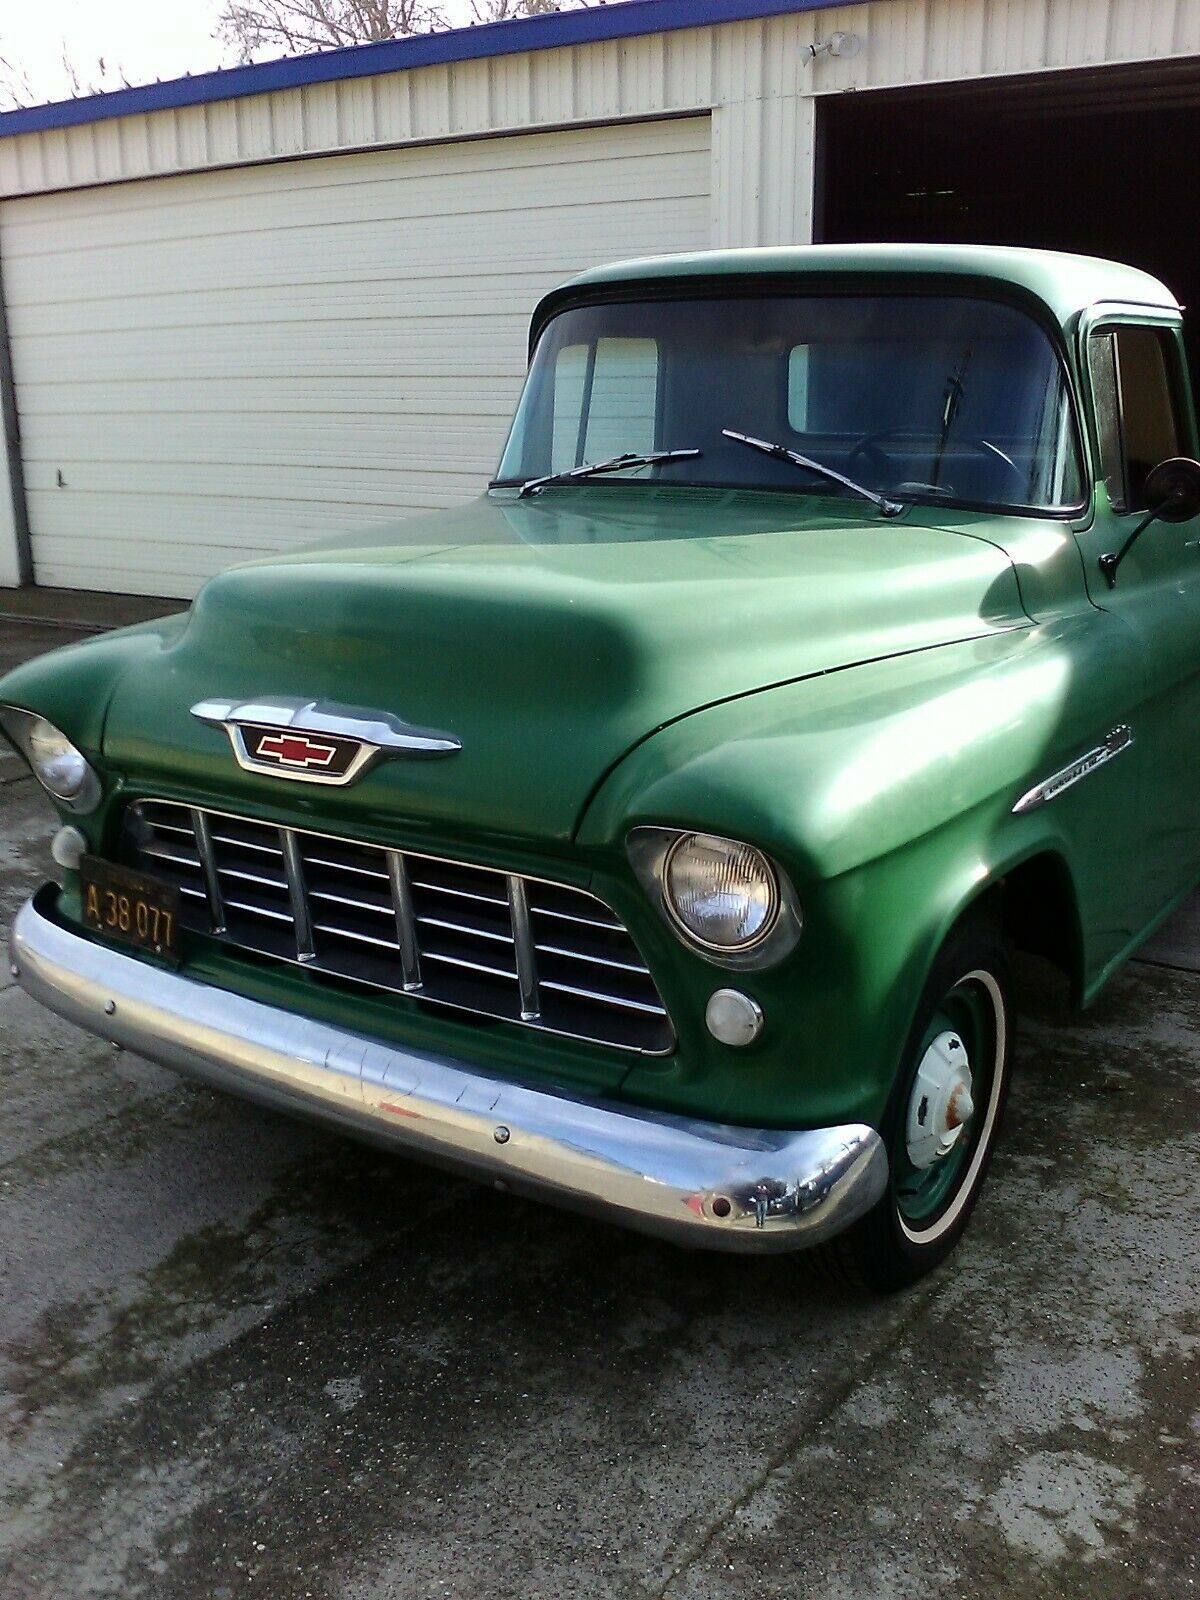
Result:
1065,284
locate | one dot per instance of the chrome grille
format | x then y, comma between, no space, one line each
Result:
498,944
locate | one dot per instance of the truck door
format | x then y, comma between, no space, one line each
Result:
1144,415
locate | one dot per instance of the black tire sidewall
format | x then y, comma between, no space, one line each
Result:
887,1256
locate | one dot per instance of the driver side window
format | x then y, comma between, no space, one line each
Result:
1135,379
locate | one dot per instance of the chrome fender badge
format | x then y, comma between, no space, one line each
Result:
315,741
1114,744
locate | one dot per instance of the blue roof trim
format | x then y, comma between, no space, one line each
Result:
625,21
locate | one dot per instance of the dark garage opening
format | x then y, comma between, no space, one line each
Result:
1102,163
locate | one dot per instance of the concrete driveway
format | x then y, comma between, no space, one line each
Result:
241,1357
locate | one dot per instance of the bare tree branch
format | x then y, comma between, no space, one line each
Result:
104,79
294,27
509,10
297,26
15,87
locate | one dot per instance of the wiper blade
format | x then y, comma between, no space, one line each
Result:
887,508
593,469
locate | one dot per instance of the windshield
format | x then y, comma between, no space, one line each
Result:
917,397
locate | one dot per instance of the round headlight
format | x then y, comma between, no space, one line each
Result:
55,761
722,894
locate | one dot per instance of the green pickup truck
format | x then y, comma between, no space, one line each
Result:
651,834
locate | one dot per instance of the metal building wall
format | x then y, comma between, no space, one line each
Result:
231,363
756,79
755,75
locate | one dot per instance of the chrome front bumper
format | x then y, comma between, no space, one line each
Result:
723,1188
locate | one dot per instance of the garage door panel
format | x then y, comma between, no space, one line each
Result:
395,343
419,202
392,295
228,440
508,161
338,398
367,251
209,538
351,484
505,296
233,363
219,522
312,353
194,365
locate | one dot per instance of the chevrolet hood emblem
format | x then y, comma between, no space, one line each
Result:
315,741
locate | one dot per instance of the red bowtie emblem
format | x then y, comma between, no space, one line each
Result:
295,750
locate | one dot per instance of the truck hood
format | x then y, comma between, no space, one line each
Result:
549,635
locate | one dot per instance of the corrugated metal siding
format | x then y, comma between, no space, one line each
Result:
750,64
97,277
232,362
763,156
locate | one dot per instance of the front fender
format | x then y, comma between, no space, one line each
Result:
886,792
72,687
834,771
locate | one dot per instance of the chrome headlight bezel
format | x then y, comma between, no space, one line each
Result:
650,851
765,898
61,768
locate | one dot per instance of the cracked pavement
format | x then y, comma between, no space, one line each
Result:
242,1356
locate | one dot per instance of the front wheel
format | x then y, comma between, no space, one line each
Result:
943,1117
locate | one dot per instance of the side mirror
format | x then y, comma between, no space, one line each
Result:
1172,491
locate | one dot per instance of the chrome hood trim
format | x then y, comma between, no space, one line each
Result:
378,728
377,734
724,1188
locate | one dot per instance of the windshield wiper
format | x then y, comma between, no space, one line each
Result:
887,508
593,469
955,394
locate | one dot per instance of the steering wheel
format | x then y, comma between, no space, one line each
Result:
881,466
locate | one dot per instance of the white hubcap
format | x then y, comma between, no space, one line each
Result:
941,1104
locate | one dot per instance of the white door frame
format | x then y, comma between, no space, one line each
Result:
16,562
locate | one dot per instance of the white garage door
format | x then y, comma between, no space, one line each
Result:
230,363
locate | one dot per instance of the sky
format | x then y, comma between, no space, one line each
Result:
141,39
147,39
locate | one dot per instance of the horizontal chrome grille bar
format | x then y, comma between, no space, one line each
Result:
251,877
464,928
257,911
460,894
586,922
248,844
159,854
582,955
346,866
347,900
358,938
446,933
604,999
469,966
